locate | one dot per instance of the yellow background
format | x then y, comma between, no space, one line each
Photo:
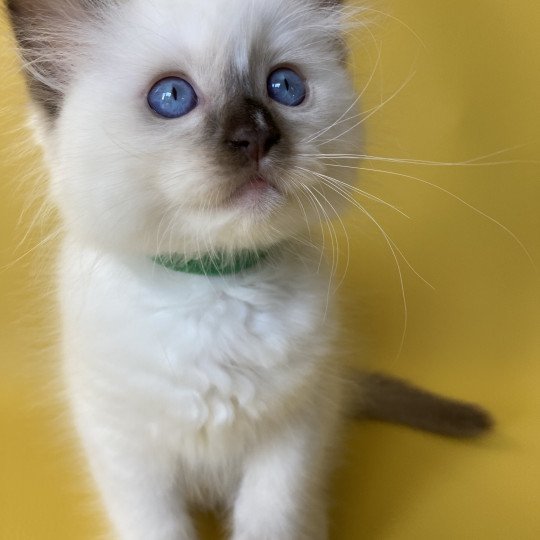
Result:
475,91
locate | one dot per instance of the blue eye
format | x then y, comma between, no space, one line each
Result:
286,87
172,97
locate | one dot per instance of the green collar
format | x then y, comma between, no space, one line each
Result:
212,264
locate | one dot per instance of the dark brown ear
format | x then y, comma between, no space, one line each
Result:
40,29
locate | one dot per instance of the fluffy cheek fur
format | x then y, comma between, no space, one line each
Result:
157,183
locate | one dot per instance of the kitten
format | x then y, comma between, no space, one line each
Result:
183,140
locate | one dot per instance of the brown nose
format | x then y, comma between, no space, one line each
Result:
250,131
254,143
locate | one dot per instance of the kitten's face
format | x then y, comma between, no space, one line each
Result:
231,172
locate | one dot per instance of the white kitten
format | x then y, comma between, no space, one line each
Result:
183,139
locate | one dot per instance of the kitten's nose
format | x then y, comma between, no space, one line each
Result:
250,130
254,143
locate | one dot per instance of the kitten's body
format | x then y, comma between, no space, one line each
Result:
218,390
239,394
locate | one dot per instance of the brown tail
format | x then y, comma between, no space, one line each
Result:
381,397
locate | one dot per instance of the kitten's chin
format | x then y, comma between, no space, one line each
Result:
257,194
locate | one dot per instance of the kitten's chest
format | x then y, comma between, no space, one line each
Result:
184,351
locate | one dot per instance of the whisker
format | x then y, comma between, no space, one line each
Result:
457,198
334,240
474,162
356,190
376,110
354,103
326,221
355,203
49,238
391,245
348,252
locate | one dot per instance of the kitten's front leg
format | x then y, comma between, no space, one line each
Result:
139,491
281,496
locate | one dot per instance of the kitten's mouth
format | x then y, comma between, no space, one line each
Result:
256,192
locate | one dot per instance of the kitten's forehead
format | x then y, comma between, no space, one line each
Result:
226,34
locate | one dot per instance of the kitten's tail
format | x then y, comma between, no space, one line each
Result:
385,398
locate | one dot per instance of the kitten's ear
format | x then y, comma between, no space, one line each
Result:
46,31
338,39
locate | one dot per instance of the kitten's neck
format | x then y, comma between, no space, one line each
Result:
214,263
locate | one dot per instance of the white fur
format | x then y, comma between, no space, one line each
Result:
217,388
218,391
